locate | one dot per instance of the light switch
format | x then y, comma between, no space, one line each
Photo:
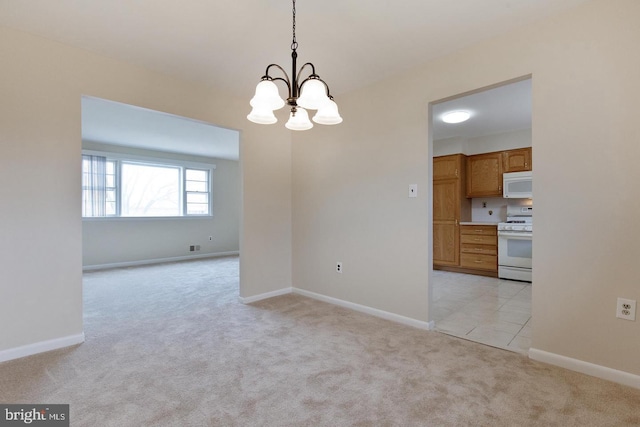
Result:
413,190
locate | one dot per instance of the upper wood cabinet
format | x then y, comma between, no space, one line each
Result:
447,167
484,175
518,160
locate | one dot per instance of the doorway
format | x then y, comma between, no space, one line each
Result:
468,299
157,187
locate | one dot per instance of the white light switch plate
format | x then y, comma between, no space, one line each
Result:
413,190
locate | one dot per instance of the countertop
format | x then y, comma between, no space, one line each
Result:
479,223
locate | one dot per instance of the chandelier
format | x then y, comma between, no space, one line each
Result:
312,93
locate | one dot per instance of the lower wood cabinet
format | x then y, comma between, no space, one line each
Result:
479,247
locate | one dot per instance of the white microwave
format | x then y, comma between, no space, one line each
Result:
517,185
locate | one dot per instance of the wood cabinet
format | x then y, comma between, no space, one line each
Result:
484,175
449,208
518,160
484,171
448,167
479,247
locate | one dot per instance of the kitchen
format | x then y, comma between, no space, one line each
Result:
482,216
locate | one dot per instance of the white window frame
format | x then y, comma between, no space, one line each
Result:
155,161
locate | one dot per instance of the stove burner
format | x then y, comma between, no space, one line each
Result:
514,221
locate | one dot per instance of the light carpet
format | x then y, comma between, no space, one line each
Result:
171,345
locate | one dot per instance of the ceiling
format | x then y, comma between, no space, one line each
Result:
501,109
121,124
227,44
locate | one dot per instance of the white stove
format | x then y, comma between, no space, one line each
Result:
515,242
516,226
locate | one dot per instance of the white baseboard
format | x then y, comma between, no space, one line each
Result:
368,310
598,371
266,295
40,347
156,261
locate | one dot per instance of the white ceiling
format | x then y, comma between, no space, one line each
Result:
121,124
228,43
501,109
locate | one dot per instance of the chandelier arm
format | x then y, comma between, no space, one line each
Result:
312,75
285,79
268,77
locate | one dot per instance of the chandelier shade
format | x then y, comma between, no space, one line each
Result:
299,120
267,96
328,114
314,94
310,93
262,116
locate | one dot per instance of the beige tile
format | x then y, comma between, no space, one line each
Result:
522,344
482,309
440,313
525,331
476,317
490,336
518,317
517,305
461,328
502,326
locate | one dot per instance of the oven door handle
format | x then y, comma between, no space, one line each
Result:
515,236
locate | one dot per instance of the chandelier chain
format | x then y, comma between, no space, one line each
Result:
294,43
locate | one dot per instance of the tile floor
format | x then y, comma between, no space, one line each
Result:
491,311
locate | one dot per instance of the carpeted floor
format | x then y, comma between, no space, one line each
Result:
171,345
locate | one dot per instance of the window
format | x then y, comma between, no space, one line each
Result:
126,187
197,191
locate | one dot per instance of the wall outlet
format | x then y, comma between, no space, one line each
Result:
210,238
197,247
339,267
192,248
626,309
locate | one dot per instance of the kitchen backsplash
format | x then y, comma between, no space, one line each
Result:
496,205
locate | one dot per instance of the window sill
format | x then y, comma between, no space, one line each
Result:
145,218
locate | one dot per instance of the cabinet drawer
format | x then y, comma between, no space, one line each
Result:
479,239
482,230
479,262
479,249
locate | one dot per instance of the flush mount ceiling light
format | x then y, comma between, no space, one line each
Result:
456,116
311,93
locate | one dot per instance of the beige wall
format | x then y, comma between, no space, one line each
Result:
345,198
41,86
350,182
108,241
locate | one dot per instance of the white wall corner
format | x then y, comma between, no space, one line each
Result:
368,310
41,347
260,297
598,371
